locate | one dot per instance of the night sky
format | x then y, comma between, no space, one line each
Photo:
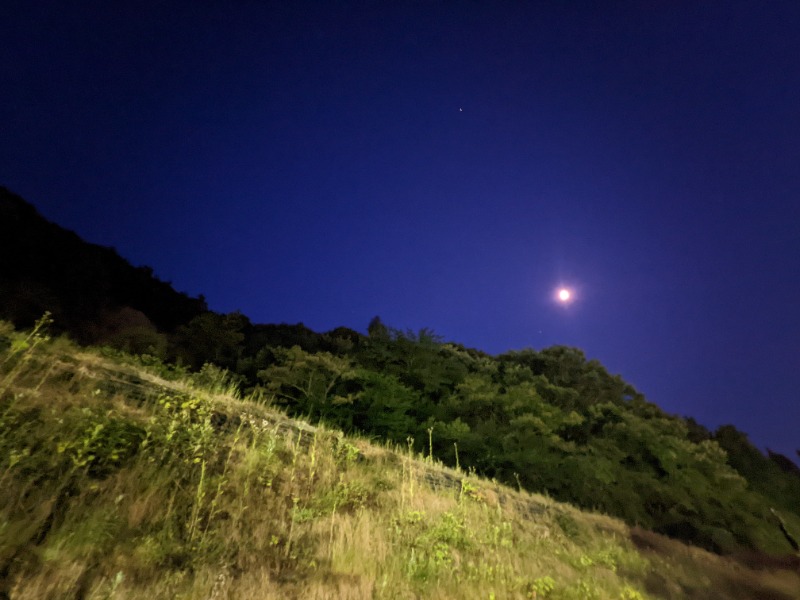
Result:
444,165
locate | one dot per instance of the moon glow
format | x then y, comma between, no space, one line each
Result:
564,295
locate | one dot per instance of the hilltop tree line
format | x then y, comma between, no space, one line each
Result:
550,421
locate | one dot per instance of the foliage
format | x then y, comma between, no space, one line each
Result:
210,337
181,490
308,383
550,421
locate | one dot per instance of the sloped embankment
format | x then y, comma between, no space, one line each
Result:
119,483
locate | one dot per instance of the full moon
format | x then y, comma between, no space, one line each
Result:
564,295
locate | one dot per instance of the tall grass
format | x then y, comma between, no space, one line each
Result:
197,493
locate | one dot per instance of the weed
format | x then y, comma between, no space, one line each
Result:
541,587
153,499
629,593
569,526
345,451
501,535
21,350
103,443
214,380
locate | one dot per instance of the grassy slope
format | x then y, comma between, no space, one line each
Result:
117,483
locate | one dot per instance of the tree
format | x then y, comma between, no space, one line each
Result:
210,337
382,406
377,330
130,330
306,383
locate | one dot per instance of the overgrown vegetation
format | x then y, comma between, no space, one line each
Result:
548,421
121,483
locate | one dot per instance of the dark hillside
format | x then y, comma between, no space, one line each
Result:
91,291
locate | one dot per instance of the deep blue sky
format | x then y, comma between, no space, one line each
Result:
444,165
